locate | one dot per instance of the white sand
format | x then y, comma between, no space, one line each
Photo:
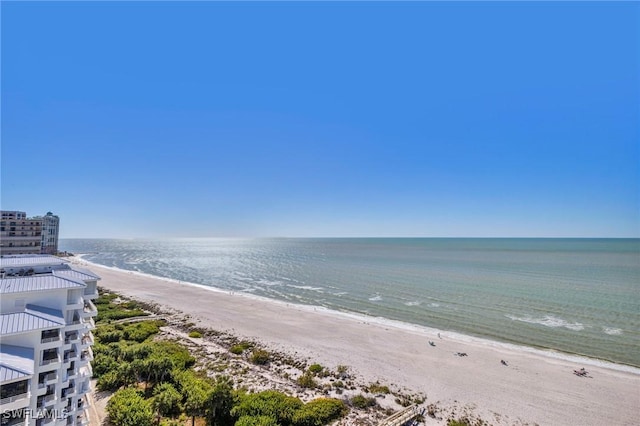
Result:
536,387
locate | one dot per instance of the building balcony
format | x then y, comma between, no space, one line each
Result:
50,339
67,392
85,371
76,303
91,291
90,323
87,339
15,402
46,400
83,389
50,362
89,309
41,389
72,337
87,355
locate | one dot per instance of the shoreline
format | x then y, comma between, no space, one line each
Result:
400,325
535,388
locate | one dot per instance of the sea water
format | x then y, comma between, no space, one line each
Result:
580,296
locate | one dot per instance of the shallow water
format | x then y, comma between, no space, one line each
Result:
573,295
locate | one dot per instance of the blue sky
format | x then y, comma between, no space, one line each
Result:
323,119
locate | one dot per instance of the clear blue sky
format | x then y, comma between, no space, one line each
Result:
323,119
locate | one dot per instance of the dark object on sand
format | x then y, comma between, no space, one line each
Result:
503,362
581,373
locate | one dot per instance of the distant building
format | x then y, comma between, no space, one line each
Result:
19,234
46,318
50,232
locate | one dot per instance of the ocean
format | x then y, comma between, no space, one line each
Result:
576,296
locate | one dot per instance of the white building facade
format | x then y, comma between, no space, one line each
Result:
19,234
50,233
46,318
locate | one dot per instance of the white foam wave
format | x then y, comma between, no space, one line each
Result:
306,287
375,298
612,331
549,321
414,303
434,305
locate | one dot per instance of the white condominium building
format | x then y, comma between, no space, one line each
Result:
19,234
46,318
50,232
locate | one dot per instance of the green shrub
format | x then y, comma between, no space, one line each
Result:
307,381
166,400
103,363
315,368
195,334
127,407
319,412
140,331
378,388
241,347
273,404
361,401
259,357
257,421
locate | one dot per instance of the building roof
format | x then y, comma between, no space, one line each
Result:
16,362
79,274
9,374
38,283
30,260
32,318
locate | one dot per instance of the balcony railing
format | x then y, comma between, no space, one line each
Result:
10,399
49,361
50,339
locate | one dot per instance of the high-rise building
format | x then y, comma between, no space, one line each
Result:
50,231
19,234
46,318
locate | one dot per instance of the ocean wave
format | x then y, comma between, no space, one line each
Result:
375,298
549,321
612,331
414,303
306,287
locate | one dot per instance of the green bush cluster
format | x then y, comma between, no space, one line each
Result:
109,310
125,356
195,334
361,401
276,408
239,348
259,357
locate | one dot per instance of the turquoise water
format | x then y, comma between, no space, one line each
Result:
580,296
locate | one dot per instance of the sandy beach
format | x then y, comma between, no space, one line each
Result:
534,388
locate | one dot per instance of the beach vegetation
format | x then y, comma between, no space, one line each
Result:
377,388
307,380
239,348
167,400
316,368
140,331
221,400
128,407
109,310
195,334
362,402
319,412
153,379
259,357
196,391
274,404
